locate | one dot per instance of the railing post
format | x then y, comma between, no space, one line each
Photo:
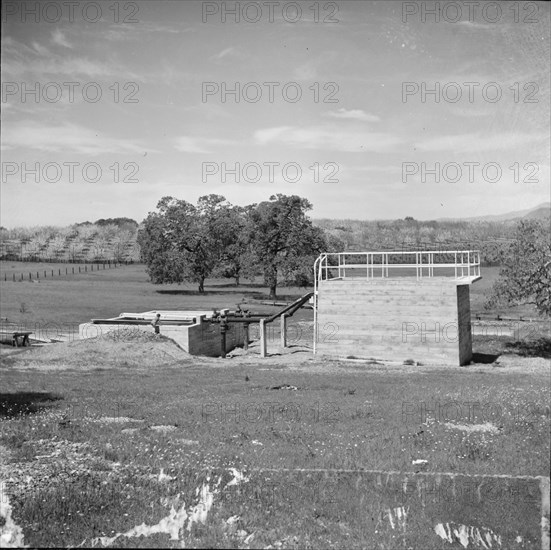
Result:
263,347
245,336
317,276
284,330
343,266
455,264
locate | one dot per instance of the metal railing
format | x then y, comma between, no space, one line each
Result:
459,264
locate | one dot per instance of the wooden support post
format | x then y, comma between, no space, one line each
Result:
283,330
245,336
222,342
263,347
223,330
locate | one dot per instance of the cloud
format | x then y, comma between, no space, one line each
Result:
191,144
59,38
41,50
19,59
65,138
353,114
307,71
118,33
224,53
477,142
328,138
388,169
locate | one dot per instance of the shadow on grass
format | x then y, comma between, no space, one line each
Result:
22,403
531,348
238,292
207,292
484,358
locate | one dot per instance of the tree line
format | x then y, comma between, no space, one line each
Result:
275,238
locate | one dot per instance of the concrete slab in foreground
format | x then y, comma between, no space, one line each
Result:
377,509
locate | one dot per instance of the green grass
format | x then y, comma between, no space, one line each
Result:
70,300
352,419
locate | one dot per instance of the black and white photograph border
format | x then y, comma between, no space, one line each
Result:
275,274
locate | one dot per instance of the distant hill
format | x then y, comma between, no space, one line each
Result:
540,212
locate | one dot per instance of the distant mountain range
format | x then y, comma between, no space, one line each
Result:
540,212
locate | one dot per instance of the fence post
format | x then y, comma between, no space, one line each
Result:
245,336
44,274
37,275
283,319
30,278
263,346
21,276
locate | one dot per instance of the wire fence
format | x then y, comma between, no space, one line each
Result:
67,271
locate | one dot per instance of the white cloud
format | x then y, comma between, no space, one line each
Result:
66,138
40,49
328,138
478,142
19,59
224,53
353,114
59,38
191,144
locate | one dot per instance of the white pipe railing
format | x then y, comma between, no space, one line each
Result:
463,263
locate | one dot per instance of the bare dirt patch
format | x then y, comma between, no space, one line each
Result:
134,350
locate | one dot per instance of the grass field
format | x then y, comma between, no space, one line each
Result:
74,299
135,443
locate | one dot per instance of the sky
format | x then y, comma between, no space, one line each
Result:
109,106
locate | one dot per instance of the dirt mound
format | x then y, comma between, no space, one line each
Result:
135,350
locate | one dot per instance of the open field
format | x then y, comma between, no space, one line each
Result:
129,441
106,293
94,428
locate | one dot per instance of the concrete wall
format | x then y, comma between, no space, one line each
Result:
199,339
395,319
205,339
464,323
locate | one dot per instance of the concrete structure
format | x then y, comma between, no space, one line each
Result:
189,329
400,306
